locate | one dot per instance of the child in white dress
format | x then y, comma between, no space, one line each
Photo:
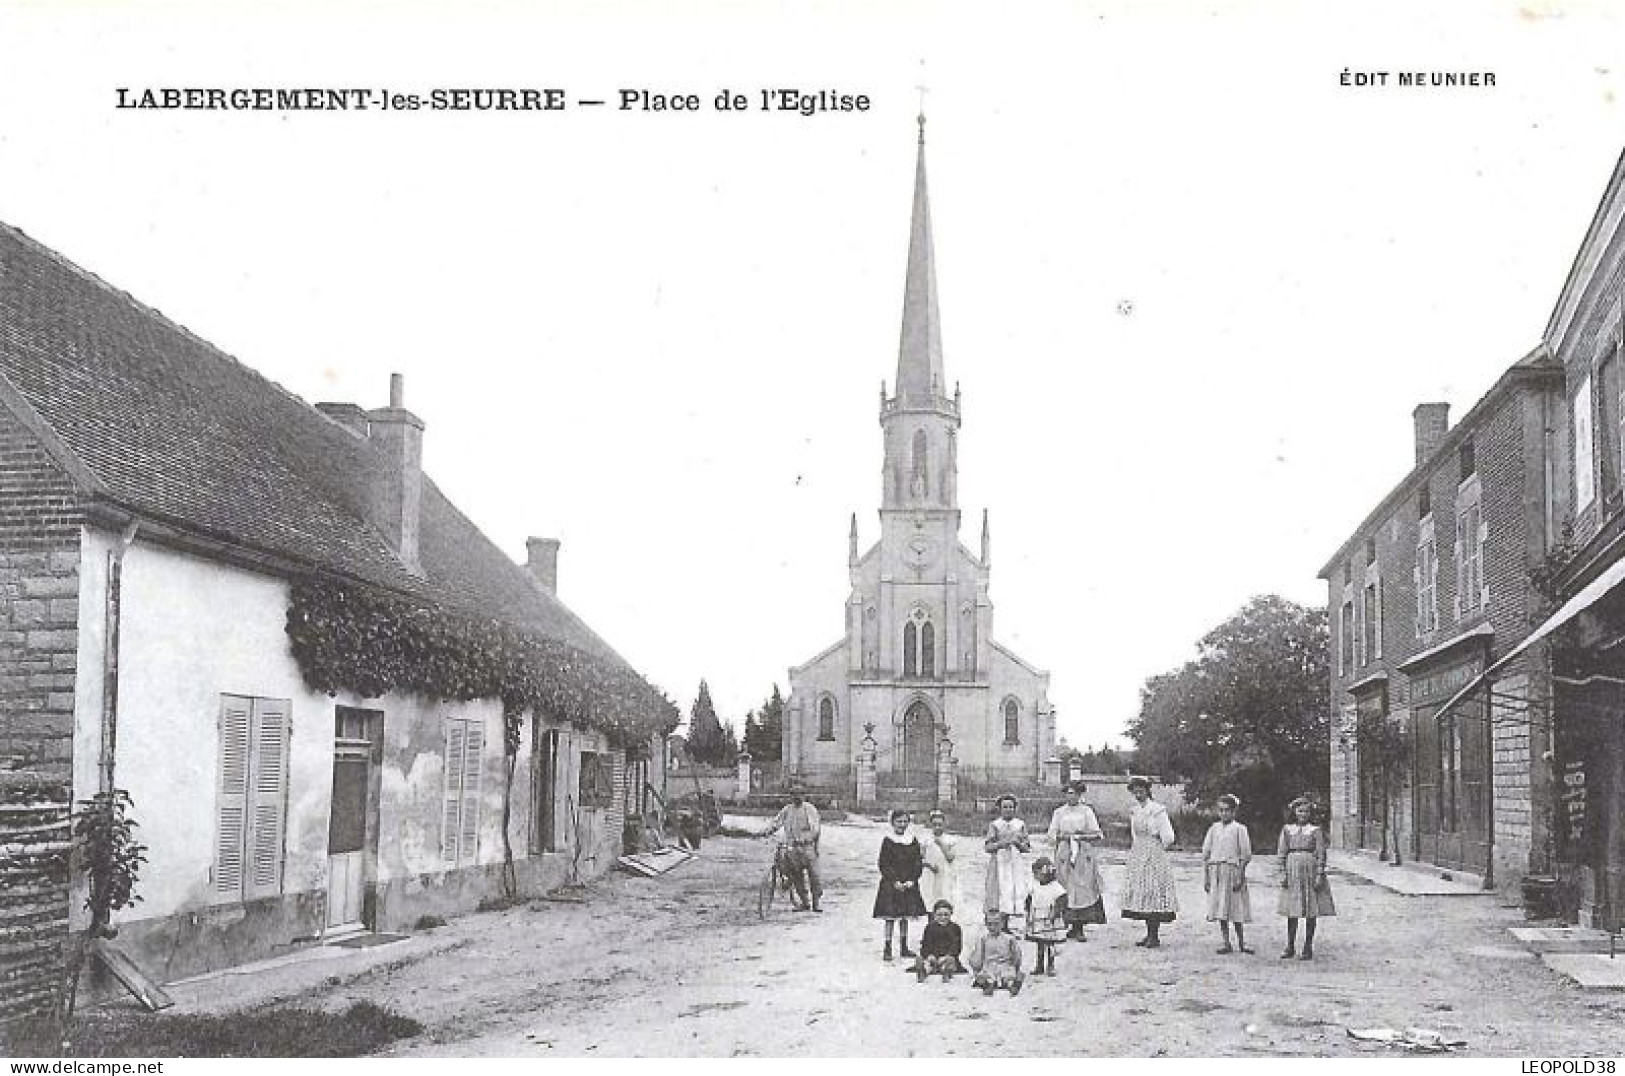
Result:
1046,915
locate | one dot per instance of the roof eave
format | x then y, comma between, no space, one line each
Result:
1526,371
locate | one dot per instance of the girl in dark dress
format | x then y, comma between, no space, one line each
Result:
898,900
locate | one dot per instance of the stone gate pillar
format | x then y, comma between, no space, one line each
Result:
742,778
867,788
947,773
1053,769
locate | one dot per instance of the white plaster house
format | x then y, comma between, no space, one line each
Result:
163,505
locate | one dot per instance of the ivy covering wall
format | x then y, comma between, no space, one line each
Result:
346,637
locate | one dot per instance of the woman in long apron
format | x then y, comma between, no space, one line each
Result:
1008,877
1073,833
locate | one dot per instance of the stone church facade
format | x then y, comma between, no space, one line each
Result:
917,702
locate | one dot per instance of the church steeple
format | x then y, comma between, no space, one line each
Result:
920,419
919,354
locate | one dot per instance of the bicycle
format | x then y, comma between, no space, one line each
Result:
780,875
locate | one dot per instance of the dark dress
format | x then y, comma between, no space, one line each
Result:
900,862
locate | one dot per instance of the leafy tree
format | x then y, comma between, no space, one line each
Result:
764,729
708,742
1248,715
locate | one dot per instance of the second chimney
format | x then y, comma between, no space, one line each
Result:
542,561
399,493
1432,423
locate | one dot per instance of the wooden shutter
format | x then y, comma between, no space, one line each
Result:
1483,543
468,840
1416,582
451,819
268,798
231,811
1379,616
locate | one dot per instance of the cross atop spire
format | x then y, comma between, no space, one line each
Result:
919,357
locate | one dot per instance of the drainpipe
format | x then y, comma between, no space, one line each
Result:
1489,773
115,574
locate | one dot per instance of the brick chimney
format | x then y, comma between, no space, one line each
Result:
1432,423
542,561
396,498
347,415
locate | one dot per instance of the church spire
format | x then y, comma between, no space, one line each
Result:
919,356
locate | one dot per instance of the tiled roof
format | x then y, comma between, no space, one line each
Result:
175,429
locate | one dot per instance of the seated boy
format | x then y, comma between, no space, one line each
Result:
940,945
996,957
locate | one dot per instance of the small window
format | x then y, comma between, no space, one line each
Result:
1468,466
928,650
911,650
1424,502
1371,550
1012,721
597,784
826,718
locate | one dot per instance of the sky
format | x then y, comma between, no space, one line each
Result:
1191,285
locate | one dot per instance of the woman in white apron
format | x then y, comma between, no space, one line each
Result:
1009,879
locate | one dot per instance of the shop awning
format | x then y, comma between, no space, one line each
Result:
1589,595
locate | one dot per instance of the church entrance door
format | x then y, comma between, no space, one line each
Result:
919,748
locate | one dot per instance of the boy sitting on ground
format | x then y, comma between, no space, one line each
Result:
940,945
996,957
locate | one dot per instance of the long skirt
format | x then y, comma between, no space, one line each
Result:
1009,880
1080,874
1224,902
1148,892
1301,898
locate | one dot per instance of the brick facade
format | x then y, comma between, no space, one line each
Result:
1397,673
39,581
1584,335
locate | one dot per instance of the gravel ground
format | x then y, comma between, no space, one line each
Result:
683,966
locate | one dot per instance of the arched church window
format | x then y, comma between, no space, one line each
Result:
928,650
1012,721
911,645
826,718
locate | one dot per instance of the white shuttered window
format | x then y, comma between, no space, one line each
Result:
252,797
460,823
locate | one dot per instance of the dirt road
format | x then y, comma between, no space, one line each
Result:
683,966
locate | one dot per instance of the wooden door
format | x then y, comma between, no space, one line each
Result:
919,747
351,820
544,786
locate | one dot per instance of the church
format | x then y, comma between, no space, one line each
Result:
917,704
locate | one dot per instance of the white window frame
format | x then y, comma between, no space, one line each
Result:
1472,535
1371,598
1425,576
1585,462
1348,632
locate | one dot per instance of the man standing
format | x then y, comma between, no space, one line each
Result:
799,820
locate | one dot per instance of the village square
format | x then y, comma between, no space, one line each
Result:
306,751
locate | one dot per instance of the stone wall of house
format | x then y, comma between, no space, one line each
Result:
39,604
39,615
